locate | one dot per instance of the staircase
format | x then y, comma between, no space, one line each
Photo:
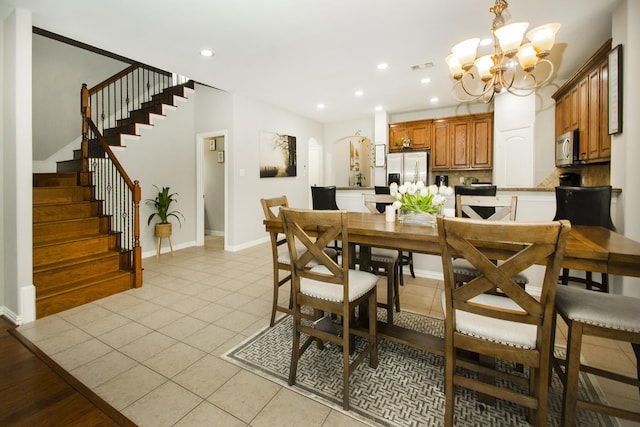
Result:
77,255
76,258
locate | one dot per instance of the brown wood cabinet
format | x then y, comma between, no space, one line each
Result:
582,103
461,142
417,132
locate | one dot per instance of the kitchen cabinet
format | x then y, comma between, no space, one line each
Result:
582,103
440,145
482,144
459,145
417,132
463,142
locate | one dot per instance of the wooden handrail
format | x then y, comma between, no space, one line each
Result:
123,73
105,146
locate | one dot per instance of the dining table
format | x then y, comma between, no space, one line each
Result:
588,248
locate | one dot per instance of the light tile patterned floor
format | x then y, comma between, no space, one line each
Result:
153,352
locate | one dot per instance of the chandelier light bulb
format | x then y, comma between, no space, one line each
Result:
501,71
465,51
527,57
484,64
543,37
510,36
454,66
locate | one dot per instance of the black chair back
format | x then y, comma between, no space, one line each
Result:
585,205
379,189
477,190
324,198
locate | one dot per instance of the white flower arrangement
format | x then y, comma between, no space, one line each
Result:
417,197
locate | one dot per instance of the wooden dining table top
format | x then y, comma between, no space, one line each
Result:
588,248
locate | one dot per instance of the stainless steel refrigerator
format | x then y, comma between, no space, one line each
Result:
409,166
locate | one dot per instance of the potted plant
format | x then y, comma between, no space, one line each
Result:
360,178
162,202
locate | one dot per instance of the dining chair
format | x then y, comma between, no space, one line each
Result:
324,198
585,206
611,317
280,258
406,258
384,261
504,208
515,327
477,190
329,287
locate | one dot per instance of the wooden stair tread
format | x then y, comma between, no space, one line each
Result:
83,238
64,288
71,262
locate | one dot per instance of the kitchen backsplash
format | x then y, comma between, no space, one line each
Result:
592,175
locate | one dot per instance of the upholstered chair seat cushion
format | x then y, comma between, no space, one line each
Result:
463,267
384,255
596,308
360,282
495,330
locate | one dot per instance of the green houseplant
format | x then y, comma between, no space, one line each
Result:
162,203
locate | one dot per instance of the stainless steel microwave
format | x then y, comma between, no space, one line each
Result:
568,149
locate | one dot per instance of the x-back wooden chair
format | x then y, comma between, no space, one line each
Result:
515,326
329,287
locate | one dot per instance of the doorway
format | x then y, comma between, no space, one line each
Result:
211,185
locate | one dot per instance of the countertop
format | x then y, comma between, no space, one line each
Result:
537,189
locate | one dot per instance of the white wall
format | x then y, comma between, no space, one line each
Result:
245,185
165,156
625,150
59,70
17,269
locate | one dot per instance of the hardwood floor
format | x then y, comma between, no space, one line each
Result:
34,394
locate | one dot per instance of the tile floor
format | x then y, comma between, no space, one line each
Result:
153,352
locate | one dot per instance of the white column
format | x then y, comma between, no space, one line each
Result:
513,151
19,292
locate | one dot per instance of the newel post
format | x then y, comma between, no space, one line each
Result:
137,249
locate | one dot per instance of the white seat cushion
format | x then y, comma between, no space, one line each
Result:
600,309
463,267
360,282
495,330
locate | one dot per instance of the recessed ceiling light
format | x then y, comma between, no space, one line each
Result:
320,106
486,42
206,52
425,81
434,99
379,108
359,93
383,66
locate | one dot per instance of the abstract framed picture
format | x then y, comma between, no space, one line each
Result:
277,155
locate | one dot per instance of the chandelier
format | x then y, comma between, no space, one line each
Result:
513,67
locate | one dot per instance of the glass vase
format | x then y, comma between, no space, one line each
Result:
413,217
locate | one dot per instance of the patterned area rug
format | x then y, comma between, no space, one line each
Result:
405,390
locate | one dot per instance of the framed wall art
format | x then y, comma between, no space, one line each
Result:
614,72
277,155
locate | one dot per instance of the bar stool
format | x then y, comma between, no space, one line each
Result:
585,206
608,316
